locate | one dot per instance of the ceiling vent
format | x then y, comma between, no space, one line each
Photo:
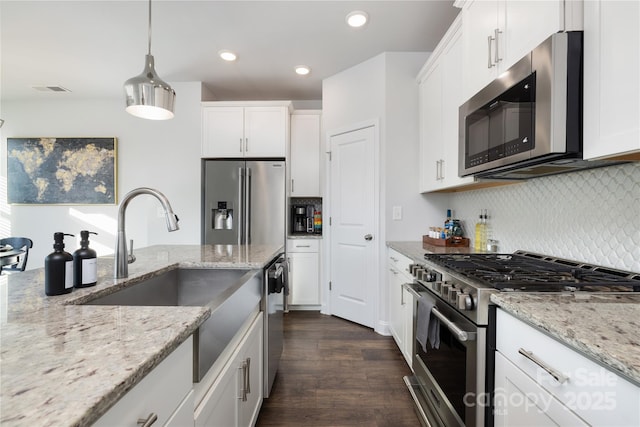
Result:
50,89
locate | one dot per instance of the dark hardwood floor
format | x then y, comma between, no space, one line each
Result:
337,373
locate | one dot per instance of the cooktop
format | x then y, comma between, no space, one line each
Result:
526,271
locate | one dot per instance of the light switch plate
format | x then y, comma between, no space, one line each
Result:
397,213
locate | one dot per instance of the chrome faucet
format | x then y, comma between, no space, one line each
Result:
122,259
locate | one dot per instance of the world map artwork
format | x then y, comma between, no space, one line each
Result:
61,170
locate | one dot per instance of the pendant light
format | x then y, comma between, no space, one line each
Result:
148,96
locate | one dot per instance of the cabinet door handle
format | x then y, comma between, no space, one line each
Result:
290,264
437,170
240,145
152,418
303,246
557,375
497,33
490,63
401,295
248,384
292,185
442,169
244,381
246,145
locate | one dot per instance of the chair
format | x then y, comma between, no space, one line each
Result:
17,243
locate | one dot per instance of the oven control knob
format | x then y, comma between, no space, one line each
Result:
419,272
452,295
464,302
444,289
429,276
437,287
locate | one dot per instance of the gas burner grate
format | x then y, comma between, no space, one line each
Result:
531,272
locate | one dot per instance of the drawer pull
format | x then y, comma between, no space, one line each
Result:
303,246
152,418
558,376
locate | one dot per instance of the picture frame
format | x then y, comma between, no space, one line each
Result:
62,171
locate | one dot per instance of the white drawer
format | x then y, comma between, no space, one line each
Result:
400,262
595,393
161,392
303,245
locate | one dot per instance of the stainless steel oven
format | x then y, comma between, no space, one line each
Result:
452,381
449,374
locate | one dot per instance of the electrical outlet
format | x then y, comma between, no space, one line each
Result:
397,213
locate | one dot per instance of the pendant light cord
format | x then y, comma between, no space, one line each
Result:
149,27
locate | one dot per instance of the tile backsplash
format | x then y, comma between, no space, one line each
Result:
591,216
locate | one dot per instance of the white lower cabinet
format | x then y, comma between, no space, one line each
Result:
235,397
304,272
165,393
400,303
540,381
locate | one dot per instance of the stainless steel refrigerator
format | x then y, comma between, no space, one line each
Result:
243,202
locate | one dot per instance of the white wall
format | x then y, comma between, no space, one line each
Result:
384,90
164,155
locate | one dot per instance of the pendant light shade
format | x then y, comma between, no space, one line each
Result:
148,96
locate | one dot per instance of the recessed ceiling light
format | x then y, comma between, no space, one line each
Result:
357,18
302,70
227,55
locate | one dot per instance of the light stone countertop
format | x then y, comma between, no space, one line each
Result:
605,328
416,250
65,364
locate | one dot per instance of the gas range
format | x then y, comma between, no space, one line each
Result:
466,281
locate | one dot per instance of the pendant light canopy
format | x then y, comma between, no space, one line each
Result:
148,96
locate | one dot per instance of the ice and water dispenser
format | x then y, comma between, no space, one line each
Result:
223,217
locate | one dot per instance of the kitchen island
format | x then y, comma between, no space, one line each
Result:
66,364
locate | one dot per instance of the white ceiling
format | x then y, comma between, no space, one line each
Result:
91,47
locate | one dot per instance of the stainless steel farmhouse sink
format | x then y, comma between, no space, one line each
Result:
231,294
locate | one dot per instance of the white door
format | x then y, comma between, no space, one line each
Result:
353,224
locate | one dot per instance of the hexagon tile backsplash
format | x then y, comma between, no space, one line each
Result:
591,216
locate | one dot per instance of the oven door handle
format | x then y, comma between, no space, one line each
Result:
462,335
409,288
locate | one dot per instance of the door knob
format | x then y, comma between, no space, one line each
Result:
368,237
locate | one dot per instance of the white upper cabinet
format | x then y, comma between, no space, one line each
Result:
498,33
304,160
611,79
252,130
440,97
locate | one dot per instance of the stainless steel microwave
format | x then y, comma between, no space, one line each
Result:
528,121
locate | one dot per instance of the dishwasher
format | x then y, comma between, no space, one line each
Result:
276,290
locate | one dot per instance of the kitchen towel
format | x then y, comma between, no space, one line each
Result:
428,326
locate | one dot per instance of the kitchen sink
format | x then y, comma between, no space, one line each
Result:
232,295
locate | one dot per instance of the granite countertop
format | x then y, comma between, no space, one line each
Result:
65,364
416,250
605,328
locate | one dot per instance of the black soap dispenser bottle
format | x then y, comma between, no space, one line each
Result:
85,263
58,268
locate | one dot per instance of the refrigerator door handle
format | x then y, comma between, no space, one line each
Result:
241,205
247,203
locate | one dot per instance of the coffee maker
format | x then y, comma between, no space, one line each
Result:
299,218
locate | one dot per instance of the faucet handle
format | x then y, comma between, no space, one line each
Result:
131,258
